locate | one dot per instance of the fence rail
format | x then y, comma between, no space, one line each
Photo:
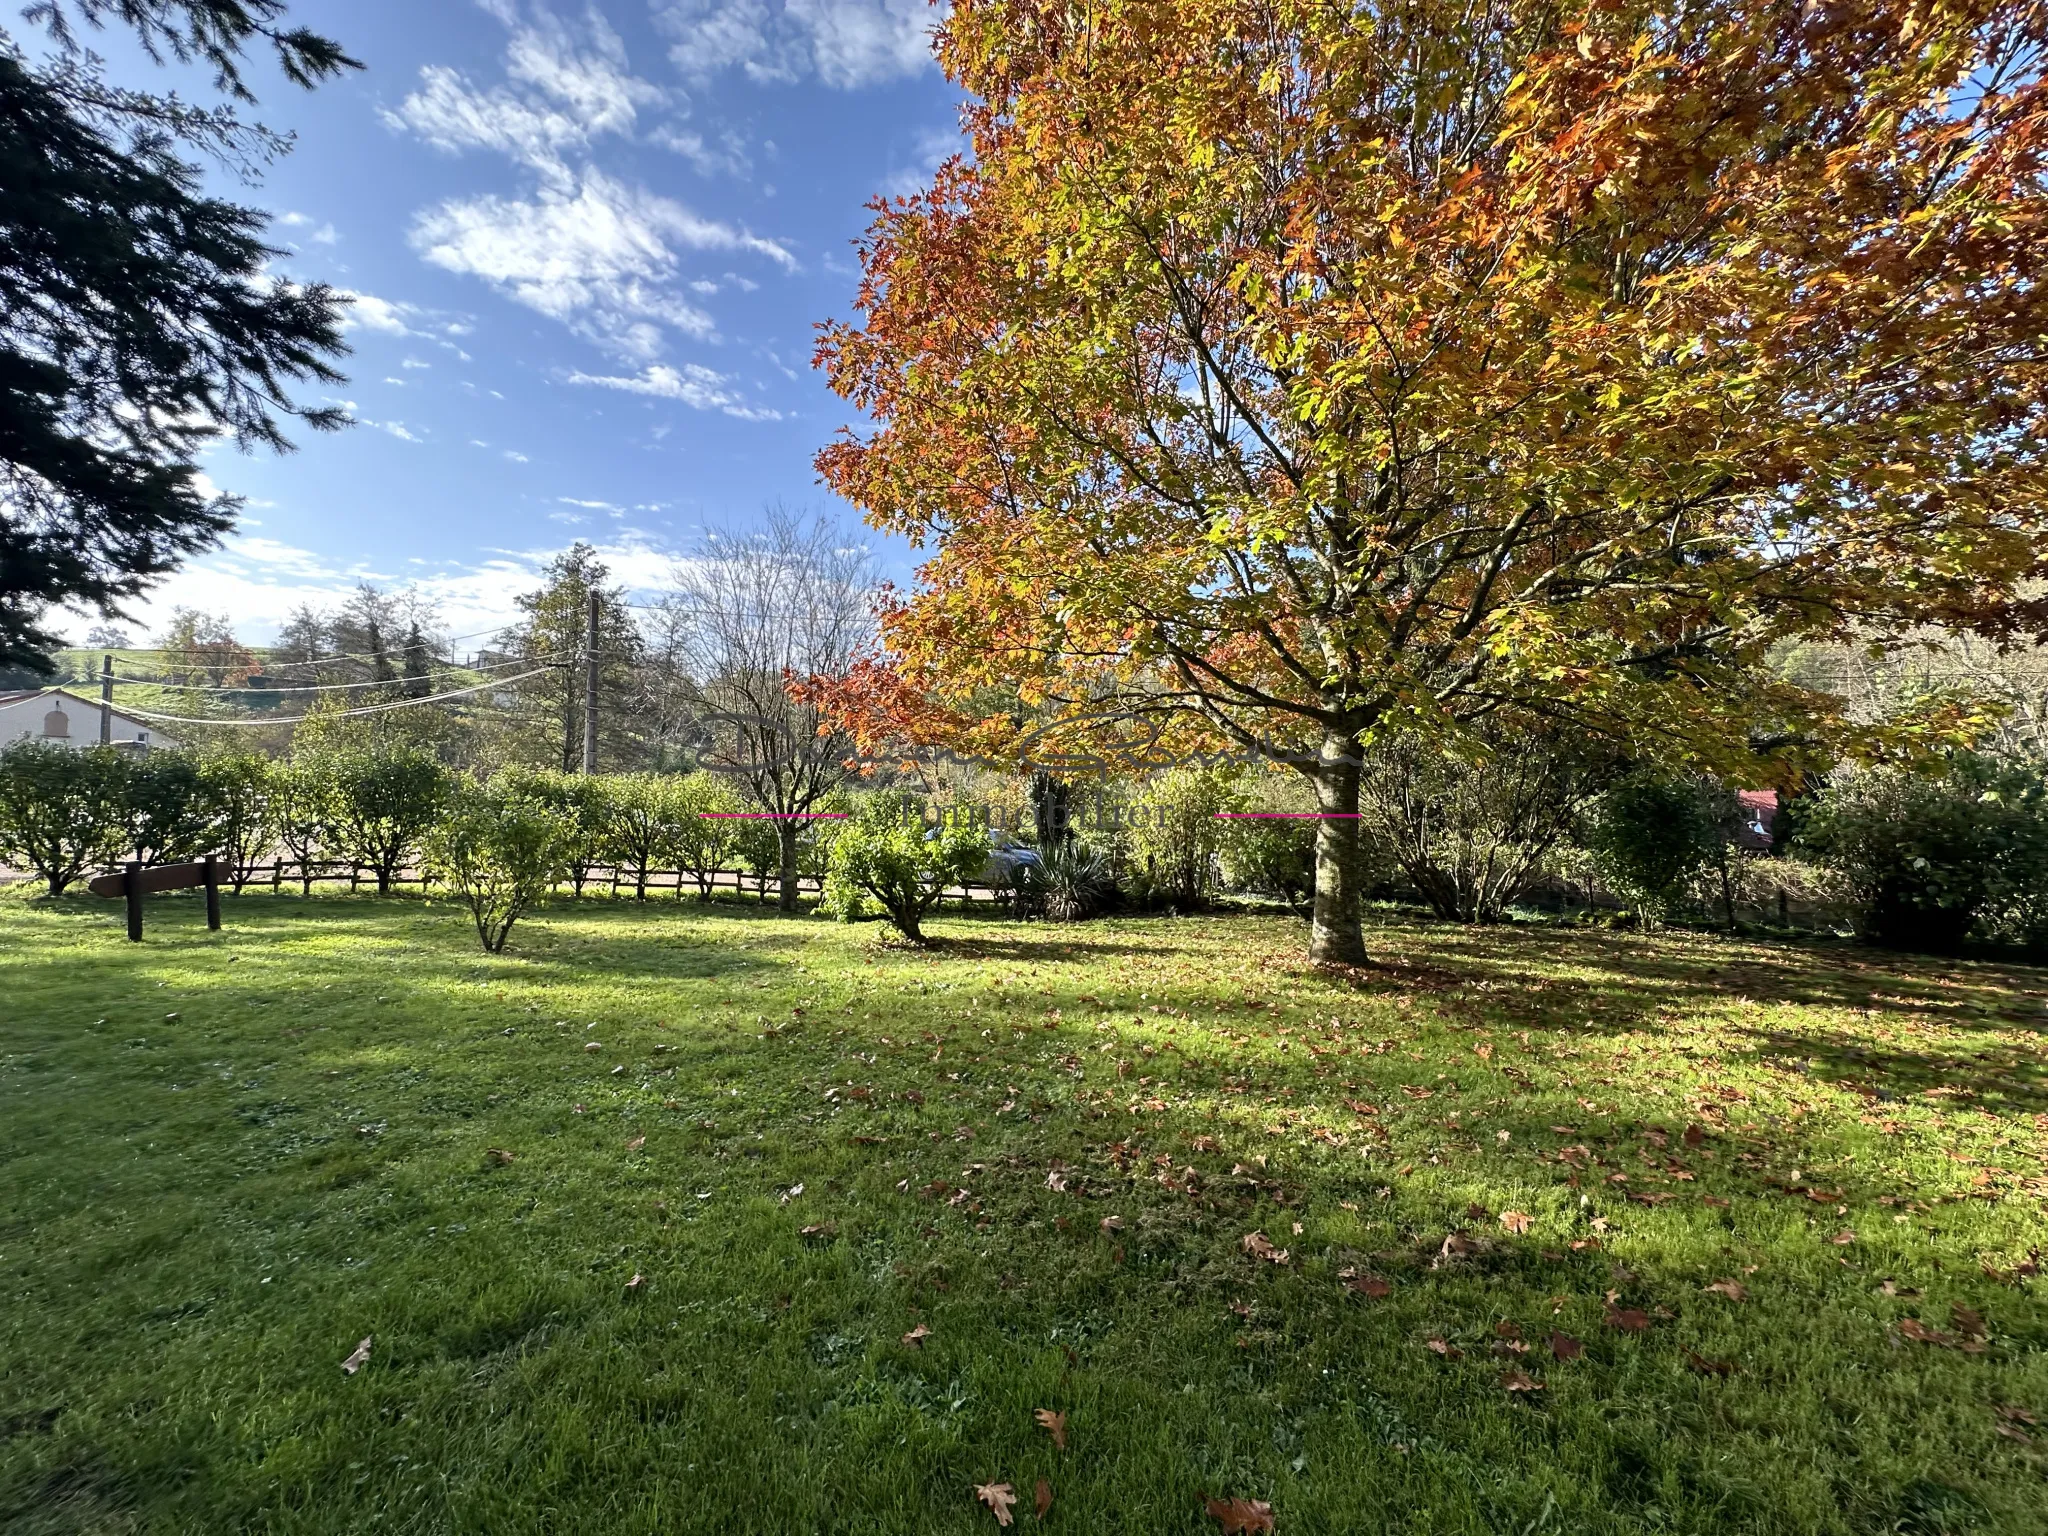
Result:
279,873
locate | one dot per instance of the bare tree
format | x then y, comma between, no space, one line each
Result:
750,613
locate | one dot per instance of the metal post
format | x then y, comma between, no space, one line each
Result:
131,887
106,699
590,685
213,893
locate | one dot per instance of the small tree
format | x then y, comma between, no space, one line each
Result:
502,851
379,801
639,823
238,786
297,805
886,854
1652,835
62,811
172,813
704,839
584,804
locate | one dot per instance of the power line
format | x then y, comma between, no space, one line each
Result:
339,714
377,682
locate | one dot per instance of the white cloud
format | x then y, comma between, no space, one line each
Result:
414,362
517,457
697,387
259,581
728,156
598,256
589,506
844,43
561,96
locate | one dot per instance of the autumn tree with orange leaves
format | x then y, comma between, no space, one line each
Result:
1283,377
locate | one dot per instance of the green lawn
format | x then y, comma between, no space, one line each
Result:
228,1158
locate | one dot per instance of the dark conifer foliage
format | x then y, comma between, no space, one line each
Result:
137,321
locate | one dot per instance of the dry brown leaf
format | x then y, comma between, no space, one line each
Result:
1968,1321
1366,1285
1694,1136
636,1282
998,1497
1042,1500
499,1156
359,1359
1627,1319
1843,1238
820,1230
916,1337
1054,1424
1112,1224
1564,1347
1259,1246
1520,1381
1912,1328
1734,1290
1448,1351
636,1143
1515,1221
1708,1367
1243,1517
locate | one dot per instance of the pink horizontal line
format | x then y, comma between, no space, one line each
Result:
776,815
1286,815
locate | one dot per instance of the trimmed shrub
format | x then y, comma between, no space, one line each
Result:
1652,835
886,854
502,851
379,800
63,810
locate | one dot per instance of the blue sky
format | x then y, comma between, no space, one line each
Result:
590,245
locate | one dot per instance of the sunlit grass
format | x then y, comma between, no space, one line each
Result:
203,1215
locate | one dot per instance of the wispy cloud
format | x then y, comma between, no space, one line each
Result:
846,44
694,386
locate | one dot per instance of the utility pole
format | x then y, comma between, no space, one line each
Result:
106,699
590,685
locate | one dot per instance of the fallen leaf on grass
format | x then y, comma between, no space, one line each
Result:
636,1282
1968,1321
636,1143
1564,1347
1708,1367
998,1497
821,1231
1448,1351
1627,1319
1259,1246
1912,1328
1843,1238
1734,1290
359,1359
1694,1136
1515,1221
915,1339
1042,1500
1365,1285
499,1156
1054,1424
1112,1224
1520,1381
1242,1517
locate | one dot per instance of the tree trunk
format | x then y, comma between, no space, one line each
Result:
785,837
1336,936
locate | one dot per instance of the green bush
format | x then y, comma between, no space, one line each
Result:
640,811
1933,860
583,803
296,807
703,840
1651,836
378,801
63,810
885,853
502,850
1276,855
1176,834
173,813
239,786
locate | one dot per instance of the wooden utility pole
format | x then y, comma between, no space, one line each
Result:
590,684
106,699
